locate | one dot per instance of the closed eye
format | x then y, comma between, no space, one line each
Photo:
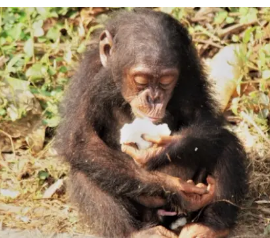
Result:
166,81
141,80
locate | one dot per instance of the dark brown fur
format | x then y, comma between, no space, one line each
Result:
106,183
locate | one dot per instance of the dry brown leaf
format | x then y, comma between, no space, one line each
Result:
28,130
52,189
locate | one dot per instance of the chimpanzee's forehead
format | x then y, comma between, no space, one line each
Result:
149,48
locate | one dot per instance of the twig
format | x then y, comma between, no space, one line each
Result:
203,13
198,19
235,28
203,31
233,118
264,210
43,97
254,81
208,42
12,144
262,202
2,60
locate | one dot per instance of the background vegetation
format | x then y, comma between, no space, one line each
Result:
39,50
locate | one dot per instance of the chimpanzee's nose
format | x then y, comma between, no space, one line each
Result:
152,99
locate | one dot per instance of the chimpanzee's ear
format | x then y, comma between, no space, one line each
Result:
105,46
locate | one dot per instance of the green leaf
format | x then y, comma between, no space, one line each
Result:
167,10
30,10
15,32
248,14
37,26
264,99
243,10
63,69
229,20
52,108
68,56
13,62
37,71
42,39
62,10
81,48
264,113
62,80
17,84
220,17
38,32
13,112
261,59
258,33
235,105
52,71
3,112
53,34
29,47
235,38
266,48
43,175
247,35
267,230
52,122
42,11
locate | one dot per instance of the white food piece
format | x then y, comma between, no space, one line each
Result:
132,133
178,223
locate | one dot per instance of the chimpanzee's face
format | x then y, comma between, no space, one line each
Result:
146,72
148,90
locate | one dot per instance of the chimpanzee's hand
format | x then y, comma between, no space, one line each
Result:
195,230
195,197
142,157
154,232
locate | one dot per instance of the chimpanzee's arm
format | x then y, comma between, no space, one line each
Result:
231,178
199,145
220,152
117,174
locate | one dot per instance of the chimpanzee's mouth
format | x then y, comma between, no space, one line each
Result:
140,114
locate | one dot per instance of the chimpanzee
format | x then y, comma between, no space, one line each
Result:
144,65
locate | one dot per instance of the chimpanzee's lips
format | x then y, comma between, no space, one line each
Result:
155,119
162,212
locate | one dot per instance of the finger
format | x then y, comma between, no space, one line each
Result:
206,199
210,180
190,188
165,233
203,201
186,232
190,182
201,185
211,184
153,139
131,151
166,139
